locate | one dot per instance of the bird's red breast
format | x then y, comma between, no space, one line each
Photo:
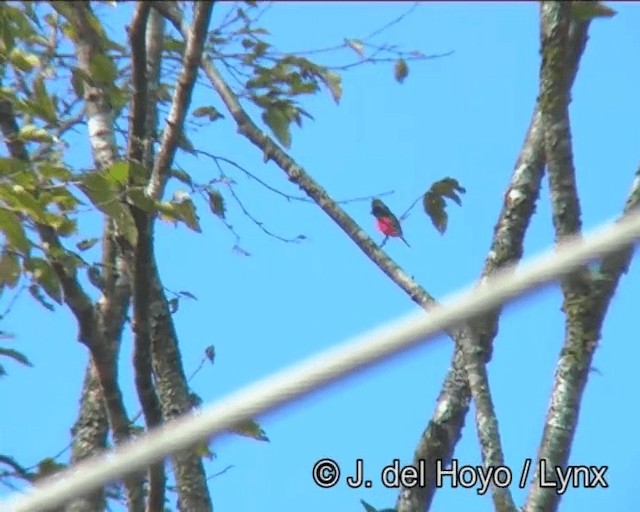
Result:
388,226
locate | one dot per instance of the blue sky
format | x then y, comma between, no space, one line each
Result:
463,116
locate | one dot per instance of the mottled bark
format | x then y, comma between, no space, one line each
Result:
89,437
173,391
586,295
139,139
169,374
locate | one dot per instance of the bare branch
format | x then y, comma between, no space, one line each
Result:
167,363
139,139
586,294
18,470
154,40
181,98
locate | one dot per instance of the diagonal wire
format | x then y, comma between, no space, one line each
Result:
325,368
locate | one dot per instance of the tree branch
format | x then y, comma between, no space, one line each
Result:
586,294
172,387
167,362
181,98
139,139
89,436
18,469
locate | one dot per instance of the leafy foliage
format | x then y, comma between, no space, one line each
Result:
250,428
401,70
588,10
434,203
16,356
216,202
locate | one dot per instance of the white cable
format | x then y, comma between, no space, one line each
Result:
320,370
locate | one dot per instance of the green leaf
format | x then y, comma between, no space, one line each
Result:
61,197
434,203
202,450
118,172
449,187
94,274
278,122
250,428
216,202
102,69
31,133
78,79
23,61
21,199
47,467
44,275
183,210
356,45
210,112
16,356
35,292
140,200
43,103
102,192
12,166
186,145
189,295
300,87
334,83
9,269
86,244
181,176
173,45
585,11
55,172
210,353
187,213
62,225
12,228
400,70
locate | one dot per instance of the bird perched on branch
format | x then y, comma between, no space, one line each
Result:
386,222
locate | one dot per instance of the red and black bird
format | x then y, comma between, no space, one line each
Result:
386,222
